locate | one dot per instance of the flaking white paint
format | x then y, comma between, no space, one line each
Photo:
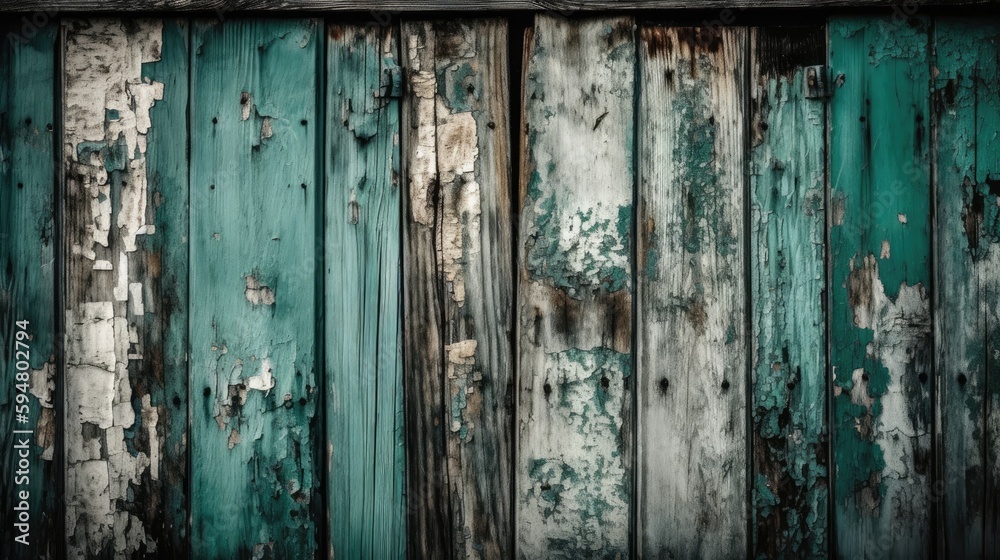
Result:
107,116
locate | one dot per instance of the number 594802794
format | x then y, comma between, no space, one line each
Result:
22,355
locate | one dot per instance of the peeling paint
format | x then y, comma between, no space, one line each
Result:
423,171
257,293
887,435
462,371
108,103
457,148
578,499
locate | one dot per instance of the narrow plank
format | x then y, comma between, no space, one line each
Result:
967,117
364,358
692,306
787,280
383,8
165,332
429,515
880,255
255,191
27,293
574,330
459,70
126,201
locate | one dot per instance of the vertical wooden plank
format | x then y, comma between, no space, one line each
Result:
787,280
429,516
879,296
27,295
459,188
255,194
364,358
988,173
165,331
126,200
692,306
573,478
967,184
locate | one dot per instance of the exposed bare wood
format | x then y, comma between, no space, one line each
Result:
458,185
691,294
573,479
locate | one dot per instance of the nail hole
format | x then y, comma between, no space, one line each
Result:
20,185
605,382
791,385
864,376
302,401
491,125
177,401
212,187
923,377
725,384
304,122
664,384
962,379
207,391
303,185
27,121
215,120
48,127
862,119
547,388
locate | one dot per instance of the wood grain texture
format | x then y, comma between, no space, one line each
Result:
691,294
125,321
787,280
429,516
574,318
459,190
165,335
880,258
28,172
255,195
364,367
383,8
967,117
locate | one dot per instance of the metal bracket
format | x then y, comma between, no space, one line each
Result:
391,80
815,86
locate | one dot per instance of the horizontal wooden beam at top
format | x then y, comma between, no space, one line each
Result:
559,6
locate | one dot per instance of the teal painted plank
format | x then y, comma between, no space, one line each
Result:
27,293
255,190
787,274
458,93
165,333
574,331
967,121
124,473
692,454
364,356
880,256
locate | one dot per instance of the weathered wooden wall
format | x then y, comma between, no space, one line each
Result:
307,289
